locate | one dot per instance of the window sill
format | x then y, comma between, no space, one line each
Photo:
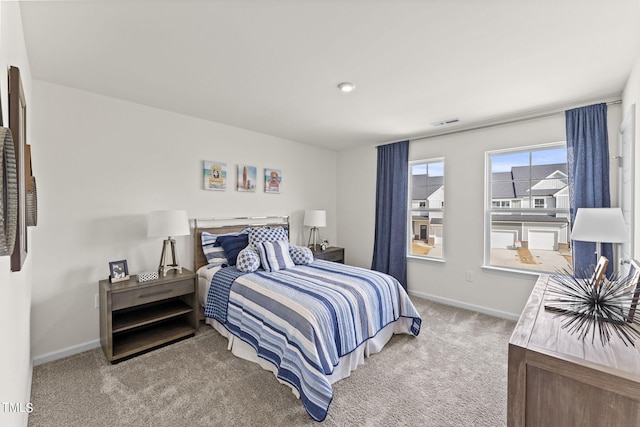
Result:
513,271
424,258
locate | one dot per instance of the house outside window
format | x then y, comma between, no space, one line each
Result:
426,209
501,203
532,231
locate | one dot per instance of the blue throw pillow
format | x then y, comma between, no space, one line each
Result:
232,246
275,256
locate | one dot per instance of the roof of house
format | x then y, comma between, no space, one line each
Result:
505,185
423,186
515,184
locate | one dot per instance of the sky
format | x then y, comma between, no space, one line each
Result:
504,162
435,169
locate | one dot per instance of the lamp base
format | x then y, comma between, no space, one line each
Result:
313,232
169,250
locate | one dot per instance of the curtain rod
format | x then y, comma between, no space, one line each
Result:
506,121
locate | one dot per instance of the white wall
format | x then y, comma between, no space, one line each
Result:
15,288
491,291
102,164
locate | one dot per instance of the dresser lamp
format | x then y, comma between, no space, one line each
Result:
599,225
314,219
168,223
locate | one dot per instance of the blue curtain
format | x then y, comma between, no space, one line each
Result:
588,164
390,244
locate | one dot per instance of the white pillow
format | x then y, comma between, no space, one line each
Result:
213,251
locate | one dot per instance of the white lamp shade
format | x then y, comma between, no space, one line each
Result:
168,223
315,218
605,225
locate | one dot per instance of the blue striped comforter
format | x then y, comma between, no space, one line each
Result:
303,319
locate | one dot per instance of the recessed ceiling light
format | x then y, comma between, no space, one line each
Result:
346,87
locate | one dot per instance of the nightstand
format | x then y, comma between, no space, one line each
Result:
332,253
136,317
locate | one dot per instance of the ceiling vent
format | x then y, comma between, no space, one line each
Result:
445,122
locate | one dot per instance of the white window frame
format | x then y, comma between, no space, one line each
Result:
488,208
411,210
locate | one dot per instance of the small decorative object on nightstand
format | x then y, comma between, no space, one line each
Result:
332,253
139,316
118,271
149,275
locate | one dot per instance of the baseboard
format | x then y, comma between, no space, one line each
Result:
65,352
466,306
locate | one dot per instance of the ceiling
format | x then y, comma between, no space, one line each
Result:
273,66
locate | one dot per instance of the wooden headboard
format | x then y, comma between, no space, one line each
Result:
229,225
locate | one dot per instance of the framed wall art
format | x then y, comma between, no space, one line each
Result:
32,193
18,126
247,177
272,180
9,190
215,175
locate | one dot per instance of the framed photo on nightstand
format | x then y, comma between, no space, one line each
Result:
118,271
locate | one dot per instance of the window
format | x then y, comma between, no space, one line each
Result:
527,218
426,208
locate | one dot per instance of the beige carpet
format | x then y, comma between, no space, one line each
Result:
453,374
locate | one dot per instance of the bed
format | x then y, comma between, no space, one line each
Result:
310,322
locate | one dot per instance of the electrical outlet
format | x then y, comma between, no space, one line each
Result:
468,276
96,301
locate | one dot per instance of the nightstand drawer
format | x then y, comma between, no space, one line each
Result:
136,297
332,253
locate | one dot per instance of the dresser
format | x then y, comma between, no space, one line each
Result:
557,379
136,317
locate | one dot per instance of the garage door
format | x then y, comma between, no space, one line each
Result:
545,240
503,239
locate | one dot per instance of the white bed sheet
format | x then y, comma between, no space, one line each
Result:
346,364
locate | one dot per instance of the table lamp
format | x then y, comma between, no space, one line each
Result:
599,225
314,219
168,223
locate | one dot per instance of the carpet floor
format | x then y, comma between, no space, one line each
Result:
453,374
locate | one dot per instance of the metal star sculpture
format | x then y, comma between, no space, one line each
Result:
603,310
